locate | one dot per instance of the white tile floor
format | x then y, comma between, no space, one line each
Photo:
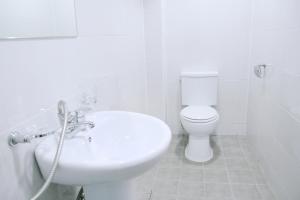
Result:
233,174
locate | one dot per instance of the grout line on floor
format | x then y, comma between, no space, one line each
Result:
229,181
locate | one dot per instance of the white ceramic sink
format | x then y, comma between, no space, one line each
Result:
106,159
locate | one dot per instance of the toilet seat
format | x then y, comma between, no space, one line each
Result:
199,114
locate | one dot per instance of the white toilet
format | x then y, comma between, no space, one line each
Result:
199,93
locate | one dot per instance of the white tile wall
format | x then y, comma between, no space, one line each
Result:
274,122
153,14
35,74
209,35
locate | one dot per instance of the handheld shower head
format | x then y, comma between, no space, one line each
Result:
61,109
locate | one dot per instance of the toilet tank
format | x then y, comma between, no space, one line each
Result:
199,88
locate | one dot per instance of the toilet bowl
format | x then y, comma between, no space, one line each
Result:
199,122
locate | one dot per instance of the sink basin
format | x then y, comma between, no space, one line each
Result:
107,158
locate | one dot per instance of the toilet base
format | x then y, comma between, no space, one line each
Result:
198,149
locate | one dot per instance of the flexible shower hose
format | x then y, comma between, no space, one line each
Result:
63,109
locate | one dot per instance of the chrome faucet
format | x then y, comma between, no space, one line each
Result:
76,121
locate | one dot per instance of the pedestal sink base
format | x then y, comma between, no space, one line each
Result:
111,191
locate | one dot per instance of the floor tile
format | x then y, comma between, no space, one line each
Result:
163,197
170,161
217,191
190,189
233,174
259,176
237,164
148,176
246,192
144,187
243,139
215,176
265,192
165,187
177,151
232,152
252,162
186,164
168,173
216,162
179,141
143,196
190,198
192,174
216,142
229,141
241,176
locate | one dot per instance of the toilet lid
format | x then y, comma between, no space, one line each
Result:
199,113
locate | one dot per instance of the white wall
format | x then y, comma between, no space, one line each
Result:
209,35
153,14
274,103
34,74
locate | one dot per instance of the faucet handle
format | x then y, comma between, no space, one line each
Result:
72,117
80,115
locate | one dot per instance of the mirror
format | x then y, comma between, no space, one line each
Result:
37,19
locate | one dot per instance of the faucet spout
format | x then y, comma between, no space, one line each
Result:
86,123
73,127
91,124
